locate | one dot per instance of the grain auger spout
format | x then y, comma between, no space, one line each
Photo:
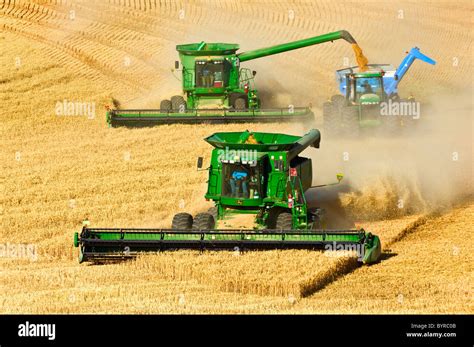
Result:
250,173
316,40
216,89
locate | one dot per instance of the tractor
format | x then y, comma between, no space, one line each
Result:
366,98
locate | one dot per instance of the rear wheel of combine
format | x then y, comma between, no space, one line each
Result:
331,118
284,221
182,221
204,221
165,105
240,104
178,104
350,120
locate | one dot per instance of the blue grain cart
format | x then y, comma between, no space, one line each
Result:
370,98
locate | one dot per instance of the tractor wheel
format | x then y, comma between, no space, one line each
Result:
284,221
182,221
338,101
350,120
204,221
240,104
331,118
178,103
165,105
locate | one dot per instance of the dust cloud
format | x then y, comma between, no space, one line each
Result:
425,169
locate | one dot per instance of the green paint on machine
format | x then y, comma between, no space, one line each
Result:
249,173
215,88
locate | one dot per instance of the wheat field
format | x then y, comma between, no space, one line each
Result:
59,170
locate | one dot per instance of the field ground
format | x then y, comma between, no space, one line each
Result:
59,170
424,271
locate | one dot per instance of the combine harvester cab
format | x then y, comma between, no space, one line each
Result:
362,92
250,173
216,89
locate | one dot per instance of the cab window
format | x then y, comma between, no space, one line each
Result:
211,73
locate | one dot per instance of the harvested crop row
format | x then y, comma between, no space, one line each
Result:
42,287
287,273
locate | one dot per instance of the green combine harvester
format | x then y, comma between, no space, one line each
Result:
249,173
217,89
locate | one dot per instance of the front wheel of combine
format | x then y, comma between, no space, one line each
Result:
182,221
213,212
178,104
331,118
350,120
284,221
240,104
204,221
165,105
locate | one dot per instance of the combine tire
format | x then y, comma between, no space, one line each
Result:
284,221
178,104
331,118
213,212
204,221
165,105
350,120
240,104
182,221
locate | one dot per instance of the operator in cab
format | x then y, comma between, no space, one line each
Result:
239,179
367,87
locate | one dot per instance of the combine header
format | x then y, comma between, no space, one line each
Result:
249,173
217,89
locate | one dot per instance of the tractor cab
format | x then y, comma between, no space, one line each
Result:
365,88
